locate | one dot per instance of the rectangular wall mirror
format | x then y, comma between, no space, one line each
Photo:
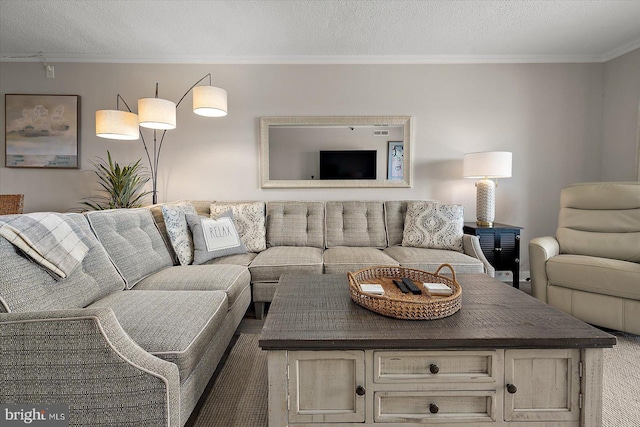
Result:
335,152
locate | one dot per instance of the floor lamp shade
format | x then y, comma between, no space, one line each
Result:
157,113
209,101
116,124
495,164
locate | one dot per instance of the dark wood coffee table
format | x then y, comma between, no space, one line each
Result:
505,358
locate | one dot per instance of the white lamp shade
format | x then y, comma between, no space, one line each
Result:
493,164
209,101
156,113
115,124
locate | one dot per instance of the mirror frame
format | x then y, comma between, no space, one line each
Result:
266,122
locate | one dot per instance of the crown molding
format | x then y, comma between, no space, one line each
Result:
325,59
621,51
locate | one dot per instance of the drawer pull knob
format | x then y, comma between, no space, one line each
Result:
512,388
433,408
434,369
360,391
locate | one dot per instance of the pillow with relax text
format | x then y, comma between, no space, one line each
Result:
433,225
214,237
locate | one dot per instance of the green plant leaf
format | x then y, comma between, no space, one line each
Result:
122,186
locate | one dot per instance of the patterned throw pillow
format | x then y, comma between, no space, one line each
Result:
178,231
249,218
214,238
433,225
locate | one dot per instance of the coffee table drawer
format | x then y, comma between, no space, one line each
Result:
431,407
434,366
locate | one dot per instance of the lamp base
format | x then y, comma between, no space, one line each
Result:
484,223
485,202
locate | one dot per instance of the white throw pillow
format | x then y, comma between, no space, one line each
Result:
249,218
178,231
214,238
434,226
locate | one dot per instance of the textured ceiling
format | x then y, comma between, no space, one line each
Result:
319,31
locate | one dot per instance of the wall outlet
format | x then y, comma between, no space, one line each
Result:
50,71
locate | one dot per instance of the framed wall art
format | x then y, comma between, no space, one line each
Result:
42,131
396,161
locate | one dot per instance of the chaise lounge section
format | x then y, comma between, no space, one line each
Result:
128,338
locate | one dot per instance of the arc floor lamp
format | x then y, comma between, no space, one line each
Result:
160,115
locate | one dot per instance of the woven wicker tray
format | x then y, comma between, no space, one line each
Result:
405,306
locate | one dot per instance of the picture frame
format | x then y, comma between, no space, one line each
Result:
42,131
395,162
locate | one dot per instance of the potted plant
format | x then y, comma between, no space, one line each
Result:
123,187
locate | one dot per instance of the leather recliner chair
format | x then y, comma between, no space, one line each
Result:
591,269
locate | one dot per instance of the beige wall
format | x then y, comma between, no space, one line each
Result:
621,119
548,115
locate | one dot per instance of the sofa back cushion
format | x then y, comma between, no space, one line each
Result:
132,240
293,223
355,224
25,286
601,220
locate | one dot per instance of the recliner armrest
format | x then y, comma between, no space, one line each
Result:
83,358
541,249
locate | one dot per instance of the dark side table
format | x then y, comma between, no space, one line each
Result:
500,244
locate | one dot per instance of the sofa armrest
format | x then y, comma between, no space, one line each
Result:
541,249
471,247
83,358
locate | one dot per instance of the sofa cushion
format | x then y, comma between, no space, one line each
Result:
25,286
433,225
431,259
249,218
598,275
177,326
271,264
295,224
343,259
355,223
600,220
240,259
233,279
132,240
214,237
175,221
394,213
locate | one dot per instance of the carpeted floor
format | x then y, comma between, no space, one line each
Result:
238,397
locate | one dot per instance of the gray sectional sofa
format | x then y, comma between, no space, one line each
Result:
131,338
127,339
316,237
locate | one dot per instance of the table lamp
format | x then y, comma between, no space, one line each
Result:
486,165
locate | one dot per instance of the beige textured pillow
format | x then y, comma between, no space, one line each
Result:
433,225
249,218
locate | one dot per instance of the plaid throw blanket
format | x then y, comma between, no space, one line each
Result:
50,239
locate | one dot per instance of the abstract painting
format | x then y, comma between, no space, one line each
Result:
41,131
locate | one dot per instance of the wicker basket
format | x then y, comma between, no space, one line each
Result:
11,204
405,306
